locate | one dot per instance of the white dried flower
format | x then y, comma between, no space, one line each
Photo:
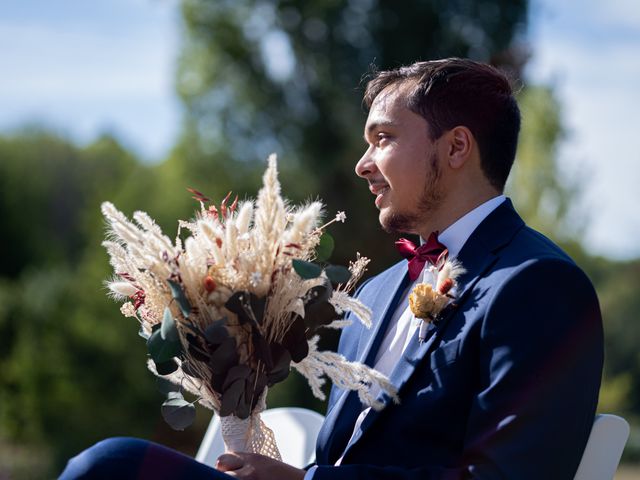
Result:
256,279
121,289
341,217
128,310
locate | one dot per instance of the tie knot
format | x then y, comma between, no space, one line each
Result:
432,252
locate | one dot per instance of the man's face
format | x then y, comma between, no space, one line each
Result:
400,164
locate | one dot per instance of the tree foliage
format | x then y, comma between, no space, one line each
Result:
67,358
285,75
544,194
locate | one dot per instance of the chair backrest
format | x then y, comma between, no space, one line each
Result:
295,429
604,448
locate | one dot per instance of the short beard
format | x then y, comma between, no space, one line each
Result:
430,200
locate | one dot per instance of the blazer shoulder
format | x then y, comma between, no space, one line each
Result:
532,270
382,279
534,245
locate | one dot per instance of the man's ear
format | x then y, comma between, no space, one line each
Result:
460,143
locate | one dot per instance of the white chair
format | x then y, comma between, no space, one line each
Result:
604,448
295,429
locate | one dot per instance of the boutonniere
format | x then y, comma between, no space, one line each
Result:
427,302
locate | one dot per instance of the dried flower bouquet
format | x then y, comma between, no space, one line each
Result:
230,310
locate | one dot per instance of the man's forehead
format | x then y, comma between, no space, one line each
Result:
386,99
395,92
386,108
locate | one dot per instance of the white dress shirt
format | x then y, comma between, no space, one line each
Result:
403,325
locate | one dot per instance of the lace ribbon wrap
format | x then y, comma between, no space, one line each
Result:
249,435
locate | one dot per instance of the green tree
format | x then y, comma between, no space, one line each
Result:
67,357
543,193
258,76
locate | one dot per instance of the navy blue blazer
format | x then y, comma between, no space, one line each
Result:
506,385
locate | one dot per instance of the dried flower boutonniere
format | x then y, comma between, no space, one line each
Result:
427,302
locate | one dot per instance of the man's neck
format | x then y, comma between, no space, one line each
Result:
454,209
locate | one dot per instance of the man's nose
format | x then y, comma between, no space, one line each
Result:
365,166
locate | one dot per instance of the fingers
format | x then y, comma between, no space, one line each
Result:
246,473
228,462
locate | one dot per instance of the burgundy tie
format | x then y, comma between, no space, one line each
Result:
432,251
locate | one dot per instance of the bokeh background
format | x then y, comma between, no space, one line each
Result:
134,100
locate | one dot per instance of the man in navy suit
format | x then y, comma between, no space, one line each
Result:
505,383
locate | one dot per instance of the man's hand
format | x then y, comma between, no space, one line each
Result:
252,466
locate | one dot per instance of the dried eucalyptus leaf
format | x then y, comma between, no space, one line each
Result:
306,270
262,350
243,410
169,329
239,372
295,340
224,357
235,304
319,293
317,315
178,294
166,368
217,332
216,381
248,307
162,350
258,305
256,383
178,413
231,397
337,273
282,364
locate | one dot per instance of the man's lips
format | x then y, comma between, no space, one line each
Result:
378,189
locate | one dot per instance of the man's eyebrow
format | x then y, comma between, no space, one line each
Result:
372,127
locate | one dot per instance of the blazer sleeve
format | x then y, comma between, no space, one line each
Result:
539,361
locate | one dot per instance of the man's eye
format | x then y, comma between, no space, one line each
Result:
383,138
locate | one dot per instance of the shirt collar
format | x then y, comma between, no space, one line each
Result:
457,234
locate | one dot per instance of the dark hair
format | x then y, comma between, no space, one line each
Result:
459,92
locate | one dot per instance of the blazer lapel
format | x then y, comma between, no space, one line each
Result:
416,351
477,256
338,425
383,307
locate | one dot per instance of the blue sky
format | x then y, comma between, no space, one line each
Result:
589,50
88,67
